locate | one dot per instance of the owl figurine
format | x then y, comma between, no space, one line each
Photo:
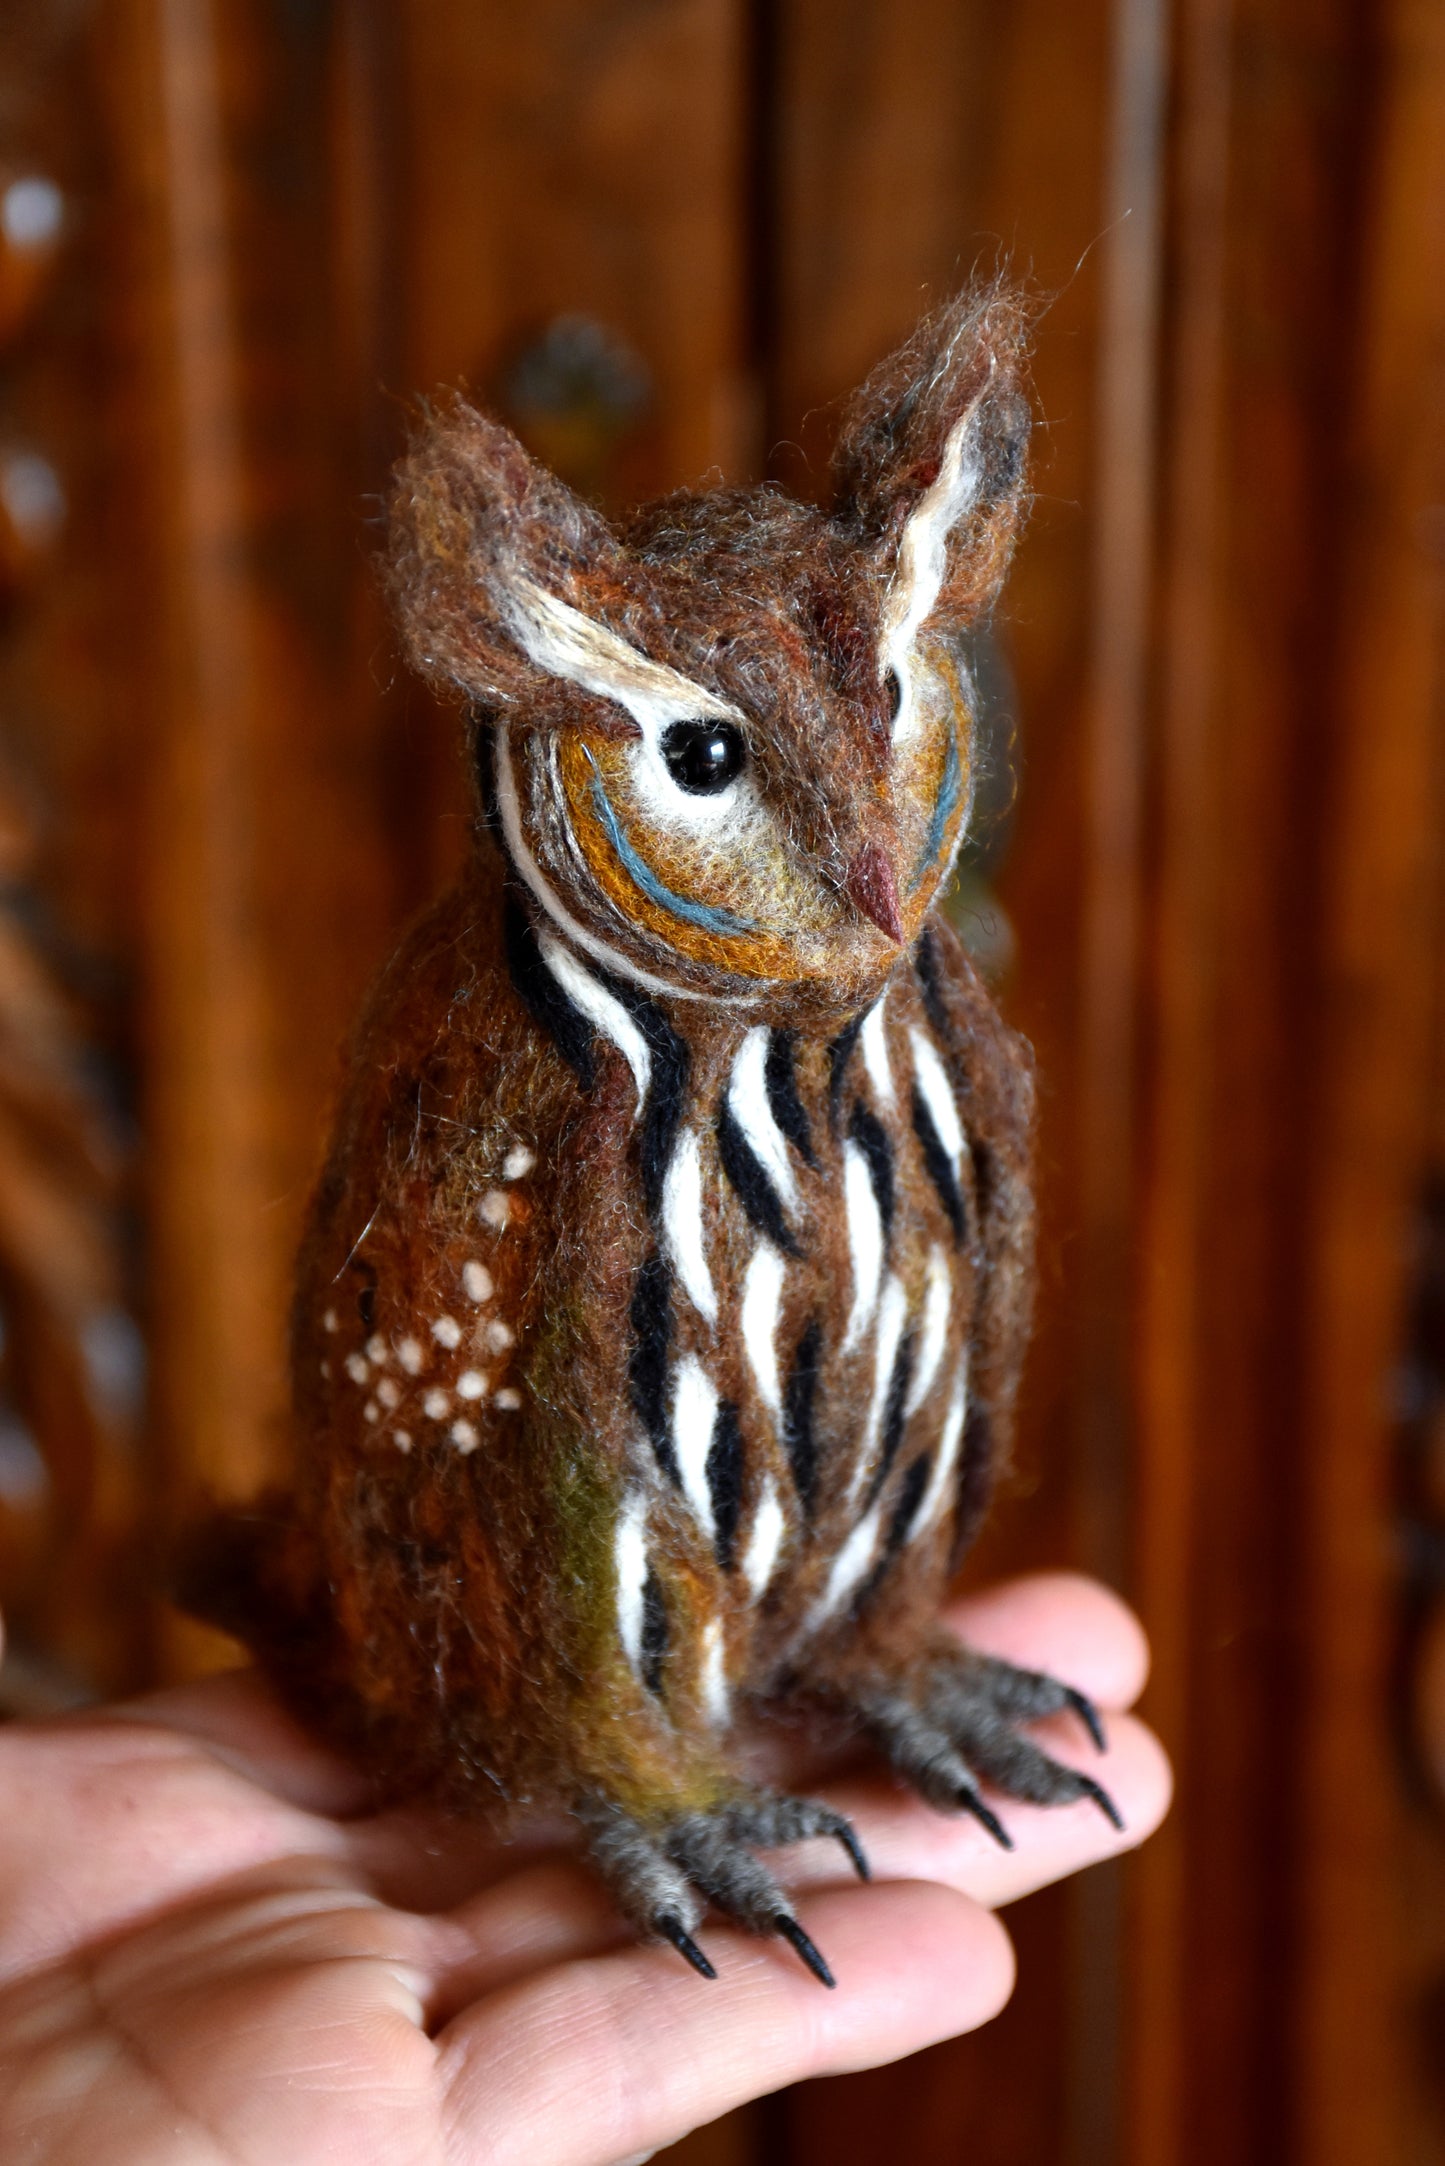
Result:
661,1307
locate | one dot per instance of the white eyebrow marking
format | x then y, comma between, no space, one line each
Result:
564,642
922,559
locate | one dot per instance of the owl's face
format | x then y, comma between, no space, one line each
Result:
727,742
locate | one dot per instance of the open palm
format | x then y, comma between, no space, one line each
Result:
211,1950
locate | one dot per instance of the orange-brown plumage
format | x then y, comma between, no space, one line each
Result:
660,1313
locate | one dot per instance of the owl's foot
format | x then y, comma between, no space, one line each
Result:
957,1724
663,1873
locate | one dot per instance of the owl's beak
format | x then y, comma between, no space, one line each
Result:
872,887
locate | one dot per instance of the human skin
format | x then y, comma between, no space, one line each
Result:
213,1951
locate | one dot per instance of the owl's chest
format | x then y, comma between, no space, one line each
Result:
791,1360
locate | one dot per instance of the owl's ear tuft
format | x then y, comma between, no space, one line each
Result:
475,523
930,459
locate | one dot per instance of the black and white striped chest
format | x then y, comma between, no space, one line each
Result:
793,1360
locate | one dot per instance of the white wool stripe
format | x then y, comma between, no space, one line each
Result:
694,1410
865,1242
564,642
933,1336
762,1300
682,1224
629,1557
892,1316
873,1043
938,1097
766,1539
923,550
541,889
601,1008
849,1565
940,1481
748,1099
712,1675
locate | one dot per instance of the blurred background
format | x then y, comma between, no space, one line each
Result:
662,237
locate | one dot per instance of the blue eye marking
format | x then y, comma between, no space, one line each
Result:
706,915
949,792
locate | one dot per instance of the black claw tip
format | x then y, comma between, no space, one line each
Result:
671,1927
796,1938
854,1849
1102,1799
1088,1714
972,1803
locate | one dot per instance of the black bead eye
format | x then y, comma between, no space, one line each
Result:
893,687
703,757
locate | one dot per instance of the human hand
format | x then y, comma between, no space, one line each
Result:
211,1950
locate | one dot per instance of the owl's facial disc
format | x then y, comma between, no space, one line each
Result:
671,849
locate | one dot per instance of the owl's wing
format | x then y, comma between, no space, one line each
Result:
991,1068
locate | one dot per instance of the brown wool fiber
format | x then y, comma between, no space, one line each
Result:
659,1317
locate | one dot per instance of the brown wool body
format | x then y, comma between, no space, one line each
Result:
661,1309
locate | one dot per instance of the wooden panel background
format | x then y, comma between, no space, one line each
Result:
283,218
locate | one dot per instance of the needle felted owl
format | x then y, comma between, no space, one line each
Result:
664,1294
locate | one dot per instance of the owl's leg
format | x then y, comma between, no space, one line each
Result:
663,1872
954,1720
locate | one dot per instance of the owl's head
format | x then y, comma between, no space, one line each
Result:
726,740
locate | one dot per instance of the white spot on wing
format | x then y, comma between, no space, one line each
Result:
471,1384
464,1436
401,1438
629,1563
873,1043
712,1678
446,1331
518,1163
476,1282
357,1369
436,1405
748,1099
601,1008
762,1297
412,1355
388,1391
865,1242
495,1209
682,1225
937,1305
766,1539
507,1399
694,1410
377,1349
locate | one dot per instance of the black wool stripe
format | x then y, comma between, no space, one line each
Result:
975,1478
755,1191
905,1508
900,1526
653,1651
651,1318
565,1024
840,1052
895,1420
484,759
871,1137
939,1166
666,1091
781,1076
799,1395
724,1473
930,983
